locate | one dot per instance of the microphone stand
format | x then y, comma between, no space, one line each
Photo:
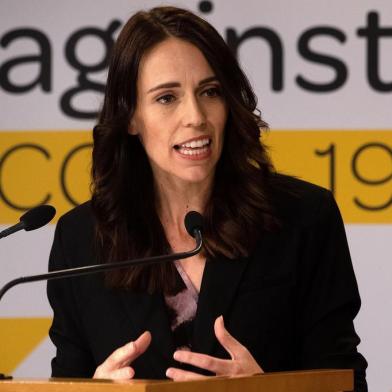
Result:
91,269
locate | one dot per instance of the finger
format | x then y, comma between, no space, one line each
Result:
231,345
203,361
142,343
182,375
118,358
124,373
126,354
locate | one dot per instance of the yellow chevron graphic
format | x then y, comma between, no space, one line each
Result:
19,337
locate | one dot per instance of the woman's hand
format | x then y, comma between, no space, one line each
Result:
116,366
241,361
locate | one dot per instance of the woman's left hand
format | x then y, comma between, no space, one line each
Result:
241,361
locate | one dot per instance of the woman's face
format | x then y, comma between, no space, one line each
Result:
180,115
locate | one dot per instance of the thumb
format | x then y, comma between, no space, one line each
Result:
231,345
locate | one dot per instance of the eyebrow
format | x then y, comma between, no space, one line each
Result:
178,84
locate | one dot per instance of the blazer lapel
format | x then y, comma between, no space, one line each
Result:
219,284
147,312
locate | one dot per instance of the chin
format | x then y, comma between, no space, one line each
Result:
195,176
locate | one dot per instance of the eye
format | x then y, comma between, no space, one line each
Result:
212,92
166,99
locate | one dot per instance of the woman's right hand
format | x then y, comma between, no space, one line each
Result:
116,366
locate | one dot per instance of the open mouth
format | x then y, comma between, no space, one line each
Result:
194,147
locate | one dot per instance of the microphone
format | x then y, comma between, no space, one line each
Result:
31,220
193,223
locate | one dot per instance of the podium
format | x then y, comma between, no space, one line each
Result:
301,381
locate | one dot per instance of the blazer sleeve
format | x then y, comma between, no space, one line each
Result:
329,300
73,357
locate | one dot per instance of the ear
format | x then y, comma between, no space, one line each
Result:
132,128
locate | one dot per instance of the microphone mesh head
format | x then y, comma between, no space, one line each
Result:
193,221
37,217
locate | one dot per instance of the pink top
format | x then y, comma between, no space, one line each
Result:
182,309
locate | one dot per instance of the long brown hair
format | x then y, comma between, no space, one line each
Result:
123,198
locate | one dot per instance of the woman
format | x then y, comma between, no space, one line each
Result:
178,132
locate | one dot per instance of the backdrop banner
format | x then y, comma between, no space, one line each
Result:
322,71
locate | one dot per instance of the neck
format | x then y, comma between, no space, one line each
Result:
176,198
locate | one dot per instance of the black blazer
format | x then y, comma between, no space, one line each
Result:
291,303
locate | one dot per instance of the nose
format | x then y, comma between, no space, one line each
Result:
193,113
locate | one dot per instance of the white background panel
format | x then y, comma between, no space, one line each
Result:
290,108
